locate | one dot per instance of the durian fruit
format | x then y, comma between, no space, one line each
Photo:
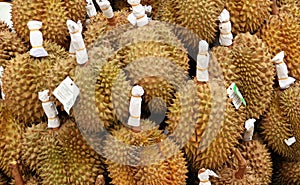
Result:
3,26
25,76
258,170
276,127
10,138
284,2
281,33
256,72
287,172
200,18
218,129
247,16
160,69
10,46
53,14
146,157
99,25
60,156
290,105
292,9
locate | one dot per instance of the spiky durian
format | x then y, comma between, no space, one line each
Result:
258,170
287,172
3,26
10,138
60,156
146,157
158,68
10,46
252,63
25,76
199,18
248,16
281,33
284,2
99,25
276,127
289,101
53,14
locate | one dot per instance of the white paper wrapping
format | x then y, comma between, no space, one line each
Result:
36,39
202,62
282,71
90,8
290,141
138,16
204,174
106,8
72,51
50,109
75,30
1,85
135,106
225,28
249,126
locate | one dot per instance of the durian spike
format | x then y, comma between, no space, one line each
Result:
16,173
241,163
275,10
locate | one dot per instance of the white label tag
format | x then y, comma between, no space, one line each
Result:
67,93
290,141
132,19
236,96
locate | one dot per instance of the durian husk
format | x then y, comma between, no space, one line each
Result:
53,14
10,138
284,2
276,127
287,172
248,16
281,33
99,25
60,156
289,101
258,170
25,76
10,46
3,26
159,68
255,69
156,159
218,129
199,17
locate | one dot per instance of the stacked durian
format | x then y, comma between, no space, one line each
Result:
10,45
200,119
53,15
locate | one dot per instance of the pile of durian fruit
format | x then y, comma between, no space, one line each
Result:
187,127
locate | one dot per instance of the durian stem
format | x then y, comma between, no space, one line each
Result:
275,10
100,180
112,21
16,173
242,165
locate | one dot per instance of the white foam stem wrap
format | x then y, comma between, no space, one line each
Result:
90,8
226,36
135,106
282,71
202,74
249,126
106,8
75,30
204,175
49,109
36,39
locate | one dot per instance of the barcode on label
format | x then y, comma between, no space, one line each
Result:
236,96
